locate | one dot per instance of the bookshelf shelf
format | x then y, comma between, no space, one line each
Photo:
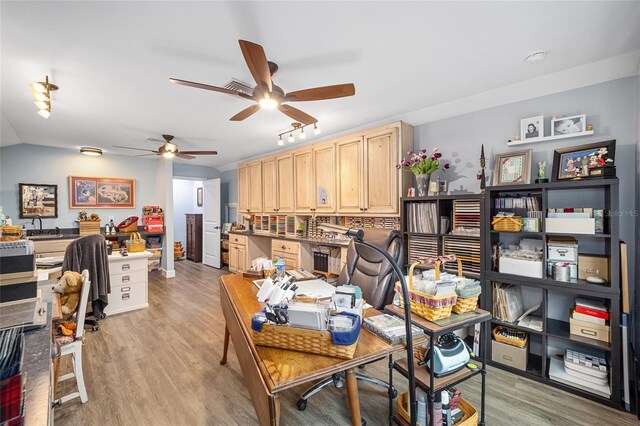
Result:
516,326
558,296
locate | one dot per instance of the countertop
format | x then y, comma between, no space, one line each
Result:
37,365
328,242
73,233
117,256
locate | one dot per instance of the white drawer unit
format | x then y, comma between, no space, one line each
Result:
129,282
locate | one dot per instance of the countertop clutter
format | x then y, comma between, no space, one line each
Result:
329,242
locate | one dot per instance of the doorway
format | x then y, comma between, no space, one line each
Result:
185,202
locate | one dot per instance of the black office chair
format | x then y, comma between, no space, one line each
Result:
374,275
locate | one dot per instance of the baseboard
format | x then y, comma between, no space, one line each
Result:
168,273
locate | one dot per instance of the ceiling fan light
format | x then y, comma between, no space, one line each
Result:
316,129
268,103
169,147
40,96
42,104
45,113
92,152
38,87
291,139
168,154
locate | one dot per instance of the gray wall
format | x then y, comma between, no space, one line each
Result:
228,190
193,171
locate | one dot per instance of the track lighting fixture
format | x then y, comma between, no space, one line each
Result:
295,127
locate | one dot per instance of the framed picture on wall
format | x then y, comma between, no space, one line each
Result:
512,168
101,192
532,129
585,161
38,200
199,197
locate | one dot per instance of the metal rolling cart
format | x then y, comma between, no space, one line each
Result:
424,378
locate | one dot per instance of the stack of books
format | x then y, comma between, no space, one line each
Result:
389,328
589,318
583,371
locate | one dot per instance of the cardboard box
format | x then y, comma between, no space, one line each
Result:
589,330
510,355
525,268
593,262
563,225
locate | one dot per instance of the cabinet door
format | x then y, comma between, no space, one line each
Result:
324,167
381,176
255,187
349,158
243,188
269,185
303,175
285,183
242,259
233,258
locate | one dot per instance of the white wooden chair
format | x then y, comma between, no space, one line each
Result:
74,348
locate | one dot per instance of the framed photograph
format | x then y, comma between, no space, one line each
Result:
512,168
532,129
585,161
38,199
199,199
569,125
101,193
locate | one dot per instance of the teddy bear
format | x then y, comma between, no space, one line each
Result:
69,286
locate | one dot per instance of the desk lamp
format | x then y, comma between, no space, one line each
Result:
358,237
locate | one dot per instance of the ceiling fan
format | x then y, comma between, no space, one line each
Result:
169,149
268,95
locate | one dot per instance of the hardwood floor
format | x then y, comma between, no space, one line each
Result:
160,366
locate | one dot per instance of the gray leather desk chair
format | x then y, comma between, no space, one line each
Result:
374,275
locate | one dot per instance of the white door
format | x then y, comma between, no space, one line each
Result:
211,223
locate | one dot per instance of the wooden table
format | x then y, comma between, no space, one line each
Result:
268,371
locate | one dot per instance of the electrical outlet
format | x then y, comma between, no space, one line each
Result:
110,218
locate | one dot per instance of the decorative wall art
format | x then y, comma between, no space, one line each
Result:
38,200
101,192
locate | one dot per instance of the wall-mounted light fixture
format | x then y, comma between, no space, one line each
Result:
42,95
297,127
93,152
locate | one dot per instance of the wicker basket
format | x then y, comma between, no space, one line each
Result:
419,352
430,307
470,417
465,304
89,227
11,233
507,224
513,342
135,243
302,340
130,224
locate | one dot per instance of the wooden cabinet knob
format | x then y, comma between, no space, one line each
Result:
284,247
236,240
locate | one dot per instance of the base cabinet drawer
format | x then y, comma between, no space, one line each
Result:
285,246
290,261
126,298
127,278
128,266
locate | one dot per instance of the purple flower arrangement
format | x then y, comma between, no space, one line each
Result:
421,163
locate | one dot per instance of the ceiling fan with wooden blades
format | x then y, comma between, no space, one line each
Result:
169,150
265,93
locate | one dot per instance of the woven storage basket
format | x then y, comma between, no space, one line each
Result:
135,243
513,342
470,417
430,307
303,340
465,304
89,227
508,224
11,233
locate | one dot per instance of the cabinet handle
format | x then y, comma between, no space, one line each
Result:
123,289
126,296
236,240
126,278
126,267
284,247
588,332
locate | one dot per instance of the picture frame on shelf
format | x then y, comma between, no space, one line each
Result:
569,125
199,197
37,199
512,168
101,192
594,160
532,128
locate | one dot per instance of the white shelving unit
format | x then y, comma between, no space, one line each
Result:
550,138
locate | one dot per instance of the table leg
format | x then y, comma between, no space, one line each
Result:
223,361
275,410
352,395
484,330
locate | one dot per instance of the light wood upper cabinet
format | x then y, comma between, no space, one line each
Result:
243,188
255,186
350,170
269,185
304,185
324,166
285,184
381,176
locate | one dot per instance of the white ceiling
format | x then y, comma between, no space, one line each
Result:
113,60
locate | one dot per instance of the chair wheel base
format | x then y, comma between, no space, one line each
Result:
95,328
301,404
363,422
394,393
